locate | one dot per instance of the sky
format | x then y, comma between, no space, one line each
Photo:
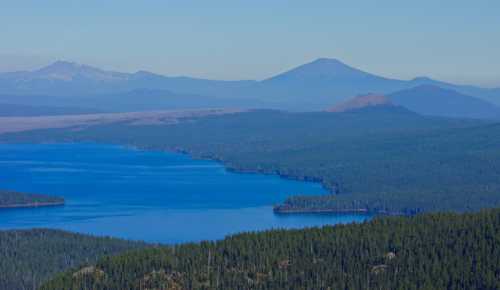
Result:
457,41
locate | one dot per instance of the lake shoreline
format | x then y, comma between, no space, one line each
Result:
279,209
290,211
33,205
121,192
245,170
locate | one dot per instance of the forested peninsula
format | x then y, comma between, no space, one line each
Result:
13,199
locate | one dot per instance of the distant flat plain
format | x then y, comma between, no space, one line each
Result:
18,124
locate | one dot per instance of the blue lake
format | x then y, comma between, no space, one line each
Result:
147,195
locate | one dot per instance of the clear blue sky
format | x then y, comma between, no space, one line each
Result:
450,40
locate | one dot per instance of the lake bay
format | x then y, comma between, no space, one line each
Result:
147,195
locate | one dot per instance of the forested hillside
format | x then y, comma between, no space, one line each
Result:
379,159
30,257
432,251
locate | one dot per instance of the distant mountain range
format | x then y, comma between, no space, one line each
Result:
71,79
312,86
436,101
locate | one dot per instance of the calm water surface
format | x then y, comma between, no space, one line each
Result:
146,195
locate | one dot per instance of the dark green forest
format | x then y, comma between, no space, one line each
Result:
31,257
379,159
428,251
19,199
